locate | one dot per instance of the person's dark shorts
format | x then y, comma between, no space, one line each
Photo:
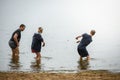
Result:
12,44
82,52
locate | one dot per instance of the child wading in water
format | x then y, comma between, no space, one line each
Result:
86,40
37,41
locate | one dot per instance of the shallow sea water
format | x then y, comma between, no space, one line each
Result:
62,21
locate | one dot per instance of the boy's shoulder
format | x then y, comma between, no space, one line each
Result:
84,34
37,35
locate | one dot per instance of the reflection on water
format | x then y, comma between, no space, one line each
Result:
36,65
14,64
83,64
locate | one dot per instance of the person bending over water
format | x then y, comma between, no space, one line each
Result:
85,41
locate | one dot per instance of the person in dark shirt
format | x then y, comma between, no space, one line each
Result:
15,39
85,41
37,41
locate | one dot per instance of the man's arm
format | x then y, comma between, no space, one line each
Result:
78,37
15,39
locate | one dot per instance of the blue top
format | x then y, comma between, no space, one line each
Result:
36,42
86,39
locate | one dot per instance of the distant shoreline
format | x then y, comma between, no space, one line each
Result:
84,75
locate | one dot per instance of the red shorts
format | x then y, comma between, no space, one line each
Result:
34,51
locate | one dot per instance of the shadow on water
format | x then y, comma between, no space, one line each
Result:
14,63
83,64
36,65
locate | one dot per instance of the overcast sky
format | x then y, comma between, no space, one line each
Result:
98,14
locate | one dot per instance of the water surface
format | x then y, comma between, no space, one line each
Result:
62,22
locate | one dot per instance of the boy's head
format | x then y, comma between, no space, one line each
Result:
40,29
22,27
92,32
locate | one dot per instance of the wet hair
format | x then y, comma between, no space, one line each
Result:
93,32
22,25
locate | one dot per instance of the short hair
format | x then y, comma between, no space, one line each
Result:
93,32
22,25
40,28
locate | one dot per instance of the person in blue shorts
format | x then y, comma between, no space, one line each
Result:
37,42
85,41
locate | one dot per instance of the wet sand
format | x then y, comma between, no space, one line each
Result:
84,75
